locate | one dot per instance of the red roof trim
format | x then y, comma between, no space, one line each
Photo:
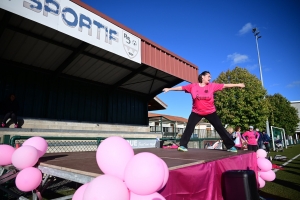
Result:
169,117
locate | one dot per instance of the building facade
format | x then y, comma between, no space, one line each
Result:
296,104
174,126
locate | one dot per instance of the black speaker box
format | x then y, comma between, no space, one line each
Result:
239,184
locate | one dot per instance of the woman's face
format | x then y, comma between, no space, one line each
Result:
12,97
206,78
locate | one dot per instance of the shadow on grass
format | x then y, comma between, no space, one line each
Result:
294,162
287,184
268,196
289,167
292,172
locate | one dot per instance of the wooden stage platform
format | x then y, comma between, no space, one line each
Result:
205,165
195,174
84,163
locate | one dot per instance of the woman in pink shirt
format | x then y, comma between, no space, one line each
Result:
251,138
203,106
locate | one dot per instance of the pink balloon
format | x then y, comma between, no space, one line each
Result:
78,195
261,153
39,143
6,152
261,182
268,175
153,196
112,156
28,179
166,177
106,187
264,164
144,174
25,156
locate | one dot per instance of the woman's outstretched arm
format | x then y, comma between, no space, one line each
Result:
230,85
172,89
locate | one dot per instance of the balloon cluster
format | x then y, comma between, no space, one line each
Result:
265,172
24,158
126,176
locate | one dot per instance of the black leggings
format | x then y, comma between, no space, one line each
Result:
252,147
11,115
214,120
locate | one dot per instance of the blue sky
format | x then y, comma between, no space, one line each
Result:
216,35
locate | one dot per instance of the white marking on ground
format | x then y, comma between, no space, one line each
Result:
284,164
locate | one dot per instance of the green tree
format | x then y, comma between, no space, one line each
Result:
283,115
242,107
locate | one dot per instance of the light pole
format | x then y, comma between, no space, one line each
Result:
257,36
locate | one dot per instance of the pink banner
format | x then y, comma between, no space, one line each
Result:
203,181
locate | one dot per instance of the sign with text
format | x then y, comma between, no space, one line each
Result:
145,143
71,19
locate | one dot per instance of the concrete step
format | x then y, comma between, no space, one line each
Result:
68,125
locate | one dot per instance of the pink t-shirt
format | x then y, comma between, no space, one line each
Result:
251,137
203,97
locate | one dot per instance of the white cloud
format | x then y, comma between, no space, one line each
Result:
252,67
294,84
237,58
256,67
246,28
274,85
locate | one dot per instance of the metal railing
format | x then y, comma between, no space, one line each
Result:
194,142
171,132
72,144
82,144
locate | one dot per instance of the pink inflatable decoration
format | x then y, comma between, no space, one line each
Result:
268,175
25,156
6,152
153,196
261,153
78,195
166,177
39,143
264,164
112,156
261,182
106,187
28,179
144,174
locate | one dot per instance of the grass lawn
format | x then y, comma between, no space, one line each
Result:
287,182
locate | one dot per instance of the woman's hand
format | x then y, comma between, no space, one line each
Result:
241,85
166,90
